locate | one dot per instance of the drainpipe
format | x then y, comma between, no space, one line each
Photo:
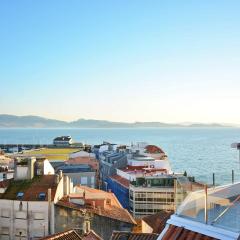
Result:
49,210
206,205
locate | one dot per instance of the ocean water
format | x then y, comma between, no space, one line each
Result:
199,151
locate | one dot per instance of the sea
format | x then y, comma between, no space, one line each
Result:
198,151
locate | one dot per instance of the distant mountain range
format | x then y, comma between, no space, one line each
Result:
12,121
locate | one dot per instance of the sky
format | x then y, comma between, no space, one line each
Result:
163,60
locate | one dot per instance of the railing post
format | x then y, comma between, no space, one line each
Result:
213,179
232,176
206,205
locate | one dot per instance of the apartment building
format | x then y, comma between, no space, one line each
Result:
27,201
152,194
82,174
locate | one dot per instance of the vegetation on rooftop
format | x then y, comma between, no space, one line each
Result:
53,153
18,186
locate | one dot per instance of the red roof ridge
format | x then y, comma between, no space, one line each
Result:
65,235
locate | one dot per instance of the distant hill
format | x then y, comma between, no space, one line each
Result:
12,121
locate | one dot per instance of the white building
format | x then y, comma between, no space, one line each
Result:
63,141
27,205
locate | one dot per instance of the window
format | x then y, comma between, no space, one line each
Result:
21,232
5,231
21,215
38,216
84,180
5,213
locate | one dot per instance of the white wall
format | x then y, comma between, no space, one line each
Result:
15,219
82,154
21,172
47,168
8,175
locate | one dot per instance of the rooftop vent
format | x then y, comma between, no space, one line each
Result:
42,196
20,195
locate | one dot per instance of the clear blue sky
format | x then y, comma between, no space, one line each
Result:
170,61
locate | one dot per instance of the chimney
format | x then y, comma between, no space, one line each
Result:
57,179
65,185
31,162
88,228
99,210
60,174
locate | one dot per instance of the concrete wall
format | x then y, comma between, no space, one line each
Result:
83,178
21,172
66,218
8,175
29,218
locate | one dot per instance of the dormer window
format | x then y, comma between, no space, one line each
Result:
42,196
20,195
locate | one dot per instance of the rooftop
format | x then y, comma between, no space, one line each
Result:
51,153
157,221
153,149
123,181
75,168
62,138
91,236
98,202
31,188
181,233
140,169
66,235
223,207
133,236
4,183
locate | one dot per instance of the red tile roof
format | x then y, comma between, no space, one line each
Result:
133,236
84,160
146,169
31,188
157,221
182,233
91,236
153,149
4,183
123,181
96,202
66,235
117,213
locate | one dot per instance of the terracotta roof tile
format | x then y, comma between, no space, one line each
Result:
158,221
66,235
133,236
123,181
31,188
4,183
182,233
153,149
91,236
95,202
